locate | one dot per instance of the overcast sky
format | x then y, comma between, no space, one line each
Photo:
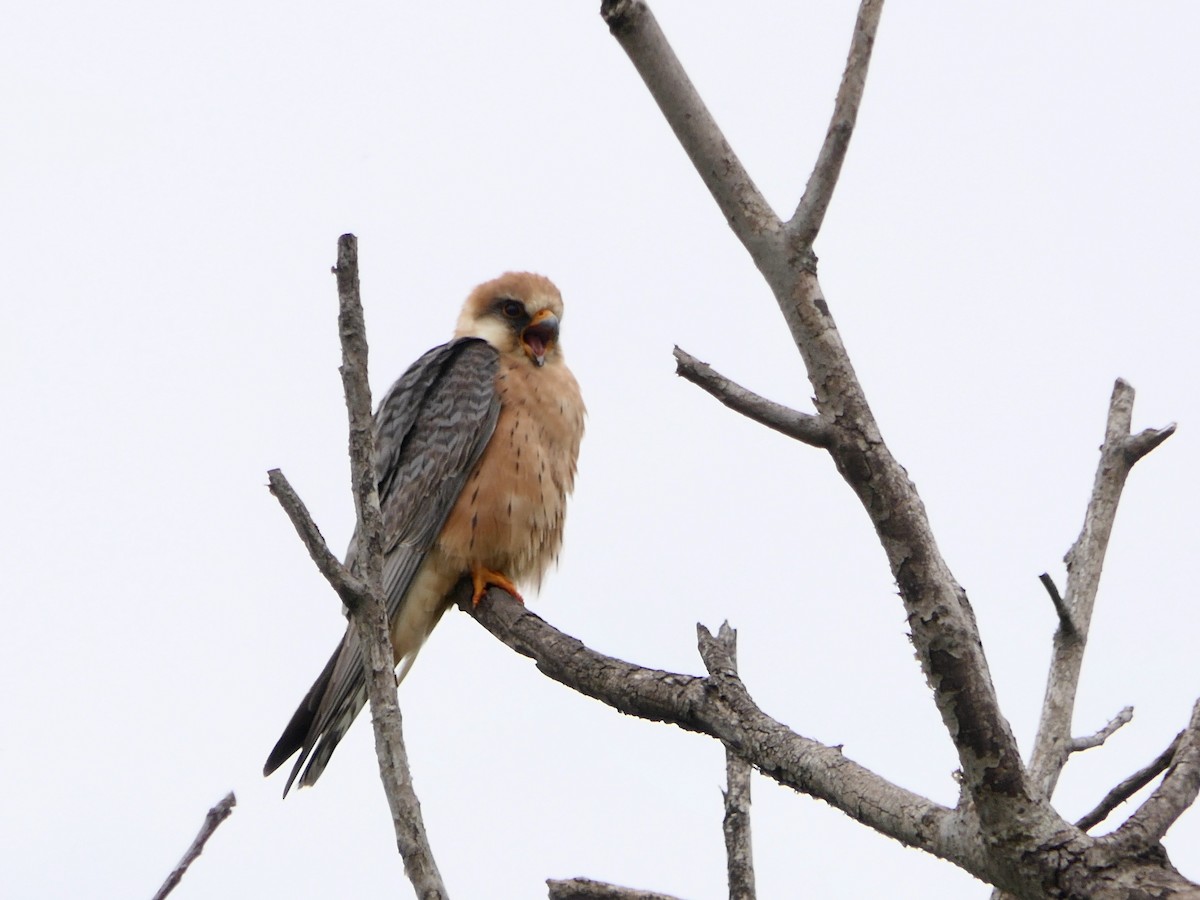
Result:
1015,227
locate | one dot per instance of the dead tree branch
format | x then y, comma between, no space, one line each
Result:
739,851
1085,561
743,205
941,620
1129,786
586,889
368,555
736,822
1004,829
212,820
810,213
1060,605
342,580
1173,796
1095,740
361,590
806,428
719,706
370,617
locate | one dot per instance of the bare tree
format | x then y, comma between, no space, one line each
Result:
1004,829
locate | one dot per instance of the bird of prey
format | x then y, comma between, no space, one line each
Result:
475,456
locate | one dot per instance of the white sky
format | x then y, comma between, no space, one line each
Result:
1015,227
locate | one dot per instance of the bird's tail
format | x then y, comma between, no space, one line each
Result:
323,716
326,713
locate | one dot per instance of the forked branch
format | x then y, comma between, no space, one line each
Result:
361,590
719,706
942,624
1173,796
1085,561
1129,786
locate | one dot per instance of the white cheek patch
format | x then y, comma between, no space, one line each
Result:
492,330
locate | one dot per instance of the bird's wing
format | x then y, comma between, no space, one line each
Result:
430,431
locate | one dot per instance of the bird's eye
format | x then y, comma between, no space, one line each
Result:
512,308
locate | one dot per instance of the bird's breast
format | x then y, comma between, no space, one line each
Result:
510,514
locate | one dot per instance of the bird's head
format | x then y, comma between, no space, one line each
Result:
518,314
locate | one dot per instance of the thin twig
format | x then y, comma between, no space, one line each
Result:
586,889
348,587
806,428
1171,799
212,820
1060,605
1095,740
1129,787
810,212
1085,561
739,852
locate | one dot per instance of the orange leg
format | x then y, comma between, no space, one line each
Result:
483,578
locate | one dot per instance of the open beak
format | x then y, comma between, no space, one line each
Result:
539,335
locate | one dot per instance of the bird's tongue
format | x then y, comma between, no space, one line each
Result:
536,344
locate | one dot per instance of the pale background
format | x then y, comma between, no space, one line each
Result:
1015,227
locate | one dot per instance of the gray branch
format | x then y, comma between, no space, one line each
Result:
370,617
806,428
739,853
349,588
735,825
1085,560
1145,441
1173,796
1004,829
1095,740
941,621
719,706
212,820
361,590
368,558
586,889
1129,786
810,213
747,212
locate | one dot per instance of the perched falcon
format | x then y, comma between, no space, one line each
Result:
475,456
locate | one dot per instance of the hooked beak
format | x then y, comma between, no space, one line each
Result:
539,334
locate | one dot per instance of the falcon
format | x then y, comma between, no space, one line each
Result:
475,450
